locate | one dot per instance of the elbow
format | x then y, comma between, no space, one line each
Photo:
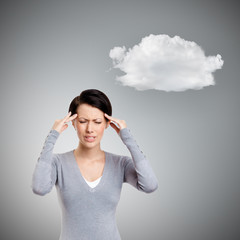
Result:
40,191
41,186
150,188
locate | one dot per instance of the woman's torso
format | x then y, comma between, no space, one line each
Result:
88,213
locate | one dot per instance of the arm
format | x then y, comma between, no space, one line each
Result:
45,173
137,171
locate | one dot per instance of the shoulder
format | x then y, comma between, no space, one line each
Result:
58,158
114,156
117,158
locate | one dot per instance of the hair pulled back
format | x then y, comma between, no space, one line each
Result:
92,97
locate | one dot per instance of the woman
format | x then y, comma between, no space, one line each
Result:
88,179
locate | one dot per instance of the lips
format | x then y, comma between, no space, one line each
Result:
90,138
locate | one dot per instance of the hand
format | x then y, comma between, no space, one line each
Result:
60,124
120,123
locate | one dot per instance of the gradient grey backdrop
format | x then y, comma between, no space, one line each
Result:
52,50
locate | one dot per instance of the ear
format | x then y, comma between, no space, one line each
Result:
107,124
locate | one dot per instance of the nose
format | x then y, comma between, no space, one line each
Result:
89,128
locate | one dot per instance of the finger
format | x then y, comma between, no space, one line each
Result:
72,117
112,118
67,116
107,116
65,126
115,127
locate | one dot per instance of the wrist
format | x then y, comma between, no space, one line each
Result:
54,132
124,133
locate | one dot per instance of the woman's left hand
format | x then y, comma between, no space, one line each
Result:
120,123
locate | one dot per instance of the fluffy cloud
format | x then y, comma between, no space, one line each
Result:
164,63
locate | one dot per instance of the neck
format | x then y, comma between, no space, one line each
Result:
89,154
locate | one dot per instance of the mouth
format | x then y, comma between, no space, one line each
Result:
89,138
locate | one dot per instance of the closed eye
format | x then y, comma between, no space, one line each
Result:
85,122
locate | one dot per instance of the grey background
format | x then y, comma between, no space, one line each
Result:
52,50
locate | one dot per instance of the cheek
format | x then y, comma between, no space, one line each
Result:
101,129
80,129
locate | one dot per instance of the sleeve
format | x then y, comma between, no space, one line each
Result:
137,171
45,174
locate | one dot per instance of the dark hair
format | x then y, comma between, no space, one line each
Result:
93,97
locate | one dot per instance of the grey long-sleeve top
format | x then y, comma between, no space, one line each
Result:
89,213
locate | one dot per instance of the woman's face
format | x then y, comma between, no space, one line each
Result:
90,125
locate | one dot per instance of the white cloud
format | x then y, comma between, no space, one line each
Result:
164,63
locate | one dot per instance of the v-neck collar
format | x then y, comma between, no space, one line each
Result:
83,182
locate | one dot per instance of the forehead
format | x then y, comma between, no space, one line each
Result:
88,111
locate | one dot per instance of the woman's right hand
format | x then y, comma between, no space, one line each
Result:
60,124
